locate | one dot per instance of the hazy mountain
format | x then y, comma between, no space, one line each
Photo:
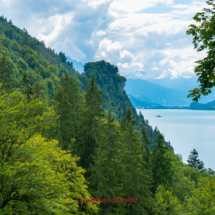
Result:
152,93
142,104
181,84
184,85
200,106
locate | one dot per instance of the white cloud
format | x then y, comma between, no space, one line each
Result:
108,45
189,9
155,68
113,50
180,62
96,3
124,59
90,42
181,6
146,23
101,33
131,6
164,74
131,70
125,54
6,3
57,23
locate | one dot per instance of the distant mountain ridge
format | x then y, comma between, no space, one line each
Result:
142,104
147,92
183,84
200,106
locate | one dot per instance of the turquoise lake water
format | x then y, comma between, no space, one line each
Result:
186,129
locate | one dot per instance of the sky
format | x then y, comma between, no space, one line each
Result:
146,39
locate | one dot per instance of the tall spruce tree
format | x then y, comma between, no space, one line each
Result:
5,75
107,171
193,160
26,84
137,180
146,145
161,164
38,90
91,127
69,107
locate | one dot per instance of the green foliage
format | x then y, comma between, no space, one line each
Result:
202,200
203,38
193,160
91,124
161,164
166,203
198,201
5,74
108,78
27,54
25,83
136,181
107,171
62,57
146,143
69,107
36,176
38,91
40,178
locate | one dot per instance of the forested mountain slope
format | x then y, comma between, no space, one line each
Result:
27,55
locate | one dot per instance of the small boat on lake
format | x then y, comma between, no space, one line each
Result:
158,116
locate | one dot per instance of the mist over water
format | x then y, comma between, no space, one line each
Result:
186,129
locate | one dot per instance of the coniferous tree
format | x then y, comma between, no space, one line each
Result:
193,160
137,180
107,171
62,57
69,107
5,75
146,144
90,131
26,39
161,164
38,90
26,84
142,118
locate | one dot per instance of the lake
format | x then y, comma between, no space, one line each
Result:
186,129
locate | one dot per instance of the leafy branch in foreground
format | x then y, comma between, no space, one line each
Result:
203,38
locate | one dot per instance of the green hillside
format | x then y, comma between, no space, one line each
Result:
27,55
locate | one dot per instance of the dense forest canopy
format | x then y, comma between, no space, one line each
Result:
70,141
